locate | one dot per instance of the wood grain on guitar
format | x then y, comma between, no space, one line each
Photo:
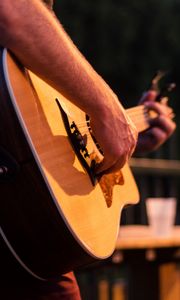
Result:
66,218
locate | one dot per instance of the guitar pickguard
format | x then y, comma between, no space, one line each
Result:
79,144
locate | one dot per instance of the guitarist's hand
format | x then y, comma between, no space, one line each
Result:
117,136
161,128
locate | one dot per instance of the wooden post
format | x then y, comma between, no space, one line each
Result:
169,275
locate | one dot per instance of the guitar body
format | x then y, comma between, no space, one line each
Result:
55,215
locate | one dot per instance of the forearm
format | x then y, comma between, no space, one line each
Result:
39,41
37,38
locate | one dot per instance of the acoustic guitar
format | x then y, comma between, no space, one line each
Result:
55,214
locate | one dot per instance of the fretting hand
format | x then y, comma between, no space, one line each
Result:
161,127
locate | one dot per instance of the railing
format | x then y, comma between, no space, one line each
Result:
155,178
155,166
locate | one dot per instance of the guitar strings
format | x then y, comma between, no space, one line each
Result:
138,115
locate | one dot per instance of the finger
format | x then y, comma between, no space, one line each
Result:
172,115
157,137
105,167
164,124
148,96
115,160
159,108
164,100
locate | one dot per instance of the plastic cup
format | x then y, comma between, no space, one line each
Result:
161,215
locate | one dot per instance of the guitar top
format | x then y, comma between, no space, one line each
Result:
56,215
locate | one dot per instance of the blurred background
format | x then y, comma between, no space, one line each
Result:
127,41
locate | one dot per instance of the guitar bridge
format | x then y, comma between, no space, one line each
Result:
79,145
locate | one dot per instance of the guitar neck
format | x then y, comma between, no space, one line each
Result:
140,116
